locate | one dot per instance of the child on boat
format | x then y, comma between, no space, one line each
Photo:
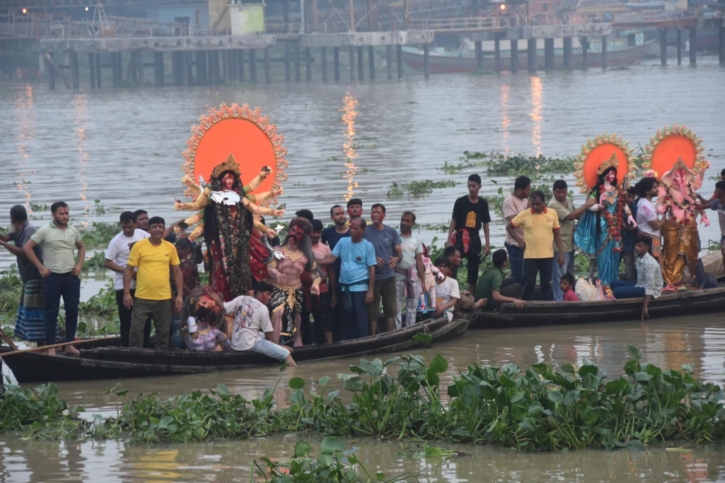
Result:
447,291
567,285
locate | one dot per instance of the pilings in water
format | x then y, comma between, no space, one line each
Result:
514,56
548,54
663,47
531,55
721,45
568,60
679,46
693,46
605,49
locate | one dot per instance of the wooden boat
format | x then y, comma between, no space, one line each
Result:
448,62
108,361
556,313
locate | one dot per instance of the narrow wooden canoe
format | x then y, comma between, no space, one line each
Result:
556,313
108,361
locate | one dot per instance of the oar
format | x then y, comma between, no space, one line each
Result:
46,347
8,340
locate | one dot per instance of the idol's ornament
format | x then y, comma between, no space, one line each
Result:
604,169
675,155
239,151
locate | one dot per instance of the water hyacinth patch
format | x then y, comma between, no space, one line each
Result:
537,409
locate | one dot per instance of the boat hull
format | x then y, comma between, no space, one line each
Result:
112,362
449,64
536,314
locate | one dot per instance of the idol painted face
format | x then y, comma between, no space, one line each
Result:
297,233
228,181
611,176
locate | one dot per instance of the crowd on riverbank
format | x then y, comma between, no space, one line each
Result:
364,268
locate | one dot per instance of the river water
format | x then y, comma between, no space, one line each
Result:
123,148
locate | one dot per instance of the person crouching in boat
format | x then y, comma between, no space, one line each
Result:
649,276
203,317
249,326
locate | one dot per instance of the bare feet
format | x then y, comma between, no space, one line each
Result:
69,349
290,361
50,352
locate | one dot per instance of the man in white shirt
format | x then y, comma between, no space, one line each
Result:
513,204
116,256
647,221
251,329
447,291
409,271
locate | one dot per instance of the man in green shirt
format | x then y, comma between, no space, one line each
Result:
61,272
494,289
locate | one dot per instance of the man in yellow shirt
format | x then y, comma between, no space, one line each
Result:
541,229
152,257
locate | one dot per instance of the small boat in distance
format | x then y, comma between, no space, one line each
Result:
620,52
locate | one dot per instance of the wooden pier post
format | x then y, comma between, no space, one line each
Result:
721,45
323,63
267,73
497,53
92,69
426,61
399,53
514,56
352,62
663,47
253,65
548,54
371,61
98,70
360,63
568,64
141,77
531,55
298,74
75,76
117,68
159,69
51,72
693,46
389,60
287,71
336,63
240,66
605,48
679,46
308,64
585,52
479,55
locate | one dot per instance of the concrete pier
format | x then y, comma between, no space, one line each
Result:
568,60
514,56
548,54
531,55
663,47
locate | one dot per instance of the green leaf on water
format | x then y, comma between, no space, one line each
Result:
302,449
438,365
423,338
324,381
332,445
296,383
222,389
555,396
635,353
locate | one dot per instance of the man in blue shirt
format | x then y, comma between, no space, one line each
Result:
357,279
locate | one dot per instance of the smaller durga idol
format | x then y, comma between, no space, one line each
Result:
604,169
675,156
239,152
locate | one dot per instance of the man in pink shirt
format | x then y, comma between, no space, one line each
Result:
514,204
322,307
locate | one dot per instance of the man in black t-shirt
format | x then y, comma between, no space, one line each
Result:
469,214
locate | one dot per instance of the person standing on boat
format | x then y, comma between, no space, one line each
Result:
564,208
629,233
153,257
116,260
331,235
513,204
408,272
60,270
470,214
541,229
647,221
388,252
321,307
649,277
718,203
357,279
30,321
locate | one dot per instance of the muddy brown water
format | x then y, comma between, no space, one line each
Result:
123,148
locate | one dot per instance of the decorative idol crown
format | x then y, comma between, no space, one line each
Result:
612,162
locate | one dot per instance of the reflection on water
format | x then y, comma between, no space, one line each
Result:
505,121
80,113
348,147
24,114
536,113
